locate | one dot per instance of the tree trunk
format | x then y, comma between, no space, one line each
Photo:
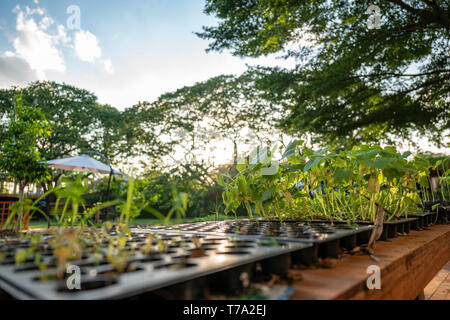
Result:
20,212
235,152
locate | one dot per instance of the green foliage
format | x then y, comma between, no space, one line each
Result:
80,123
223,108
435,178
350,83
20,157
157,189
330,184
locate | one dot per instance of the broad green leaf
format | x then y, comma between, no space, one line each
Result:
311,164
268,194
220,180
373,185
241,165
342,174
242,184
291,148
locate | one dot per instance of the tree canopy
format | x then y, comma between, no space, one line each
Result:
79,123
20,156
349,83
223,108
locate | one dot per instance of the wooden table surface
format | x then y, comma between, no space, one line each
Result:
407,263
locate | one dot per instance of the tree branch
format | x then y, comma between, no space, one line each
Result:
439,17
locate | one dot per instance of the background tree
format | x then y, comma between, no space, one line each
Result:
68,111
79,123
350,83
223,108
147,127
20,156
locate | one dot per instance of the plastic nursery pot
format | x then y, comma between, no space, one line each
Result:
329,249
232,281
277,265
421,222
428,205
88,284
388,232
447,210
429,219
363,237
438,212
354,238
391,229
349,242
442,215
307,256
188,290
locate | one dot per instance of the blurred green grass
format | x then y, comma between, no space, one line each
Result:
41,224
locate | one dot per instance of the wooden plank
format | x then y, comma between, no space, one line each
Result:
407,264
438,280
442,292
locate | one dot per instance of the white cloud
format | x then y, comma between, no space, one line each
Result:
34,44
39,42
45,23
62,35
15,71
87,47
108,66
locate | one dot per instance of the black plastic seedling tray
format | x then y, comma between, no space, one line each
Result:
439,212
424,220
392,229
443,215
447,214
227,265
327,238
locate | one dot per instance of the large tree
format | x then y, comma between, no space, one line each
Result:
79,123
351,82
20,156
223,108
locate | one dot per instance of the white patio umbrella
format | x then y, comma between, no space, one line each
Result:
83,163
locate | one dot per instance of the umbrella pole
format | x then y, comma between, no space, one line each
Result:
107,191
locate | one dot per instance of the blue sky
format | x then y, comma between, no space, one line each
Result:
124,51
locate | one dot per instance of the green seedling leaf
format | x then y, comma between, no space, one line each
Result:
311,164
342,175
242,184
268,194
406,154
291,149
220,180
241,165
373,185
21,256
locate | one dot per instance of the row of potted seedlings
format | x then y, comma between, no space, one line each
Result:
327,240
125,264
342,186
315,204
